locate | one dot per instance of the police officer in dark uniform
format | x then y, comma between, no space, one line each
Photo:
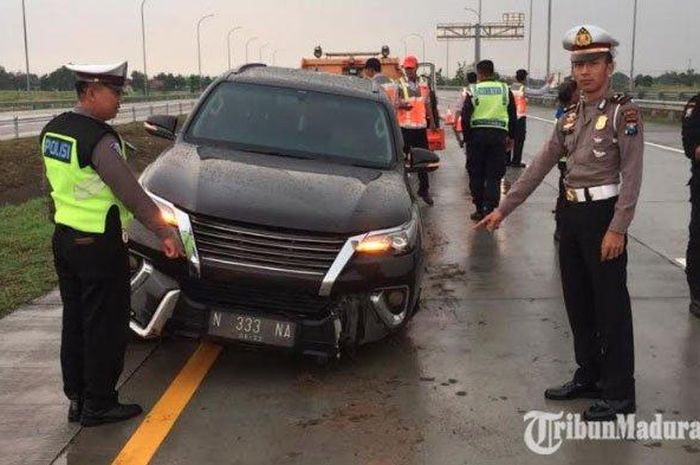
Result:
488,123
604,142
691,144
94,194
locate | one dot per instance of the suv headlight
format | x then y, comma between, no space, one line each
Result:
399,240
168,212
181,221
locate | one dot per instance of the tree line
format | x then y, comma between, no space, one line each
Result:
688,78
63,79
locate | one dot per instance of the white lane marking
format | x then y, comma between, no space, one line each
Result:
550,121
658,146
652,144
681,261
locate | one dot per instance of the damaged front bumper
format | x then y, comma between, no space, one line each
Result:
322,326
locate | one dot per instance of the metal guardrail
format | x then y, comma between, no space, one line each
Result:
26,126
7,106
671,110
638,95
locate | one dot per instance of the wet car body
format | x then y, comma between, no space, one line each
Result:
287,248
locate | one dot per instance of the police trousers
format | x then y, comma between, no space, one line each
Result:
520,131
93,277
692,255
417,138
597,300
486,165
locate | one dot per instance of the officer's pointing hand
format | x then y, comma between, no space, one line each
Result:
491,222
613,245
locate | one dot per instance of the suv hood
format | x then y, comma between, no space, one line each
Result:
278,191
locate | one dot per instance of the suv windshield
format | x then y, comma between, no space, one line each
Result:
296,123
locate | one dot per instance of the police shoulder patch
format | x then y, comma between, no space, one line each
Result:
691,107
630,118
116,148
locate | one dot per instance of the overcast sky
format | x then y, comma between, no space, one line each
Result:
103,31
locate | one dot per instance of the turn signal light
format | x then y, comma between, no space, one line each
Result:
168,216
374,245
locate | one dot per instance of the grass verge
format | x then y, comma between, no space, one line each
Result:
26,260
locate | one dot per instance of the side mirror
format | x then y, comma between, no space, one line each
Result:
161,126
423,160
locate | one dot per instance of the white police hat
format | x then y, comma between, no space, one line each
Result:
112,74
587,42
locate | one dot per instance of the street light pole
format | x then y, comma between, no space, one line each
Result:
529,44
549,36
477,33
262,47
143,42
228,43
26,46
447,60
415,34
477,41
246,47
199,48
634,39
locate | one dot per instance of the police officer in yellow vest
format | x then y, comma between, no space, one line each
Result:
488,119
93,193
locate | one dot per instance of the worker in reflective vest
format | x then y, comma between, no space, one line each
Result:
415,115
515,156
488,117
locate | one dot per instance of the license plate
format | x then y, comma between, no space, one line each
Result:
250,328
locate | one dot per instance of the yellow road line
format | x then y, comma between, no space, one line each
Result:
146,440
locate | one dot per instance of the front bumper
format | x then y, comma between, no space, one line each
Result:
361,298
358,309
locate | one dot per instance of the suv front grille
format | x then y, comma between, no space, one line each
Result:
224,242
234,297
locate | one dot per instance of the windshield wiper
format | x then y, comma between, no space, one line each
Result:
278,154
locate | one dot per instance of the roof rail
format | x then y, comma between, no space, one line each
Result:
246,67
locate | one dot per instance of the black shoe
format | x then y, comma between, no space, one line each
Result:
427,198
119,412
607,410
75,409
572,390
517,165
695,307
477,216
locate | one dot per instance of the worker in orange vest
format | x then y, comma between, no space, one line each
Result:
415,115
515,156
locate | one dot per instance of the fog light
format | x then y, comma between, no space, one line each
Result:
391,305
395,298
